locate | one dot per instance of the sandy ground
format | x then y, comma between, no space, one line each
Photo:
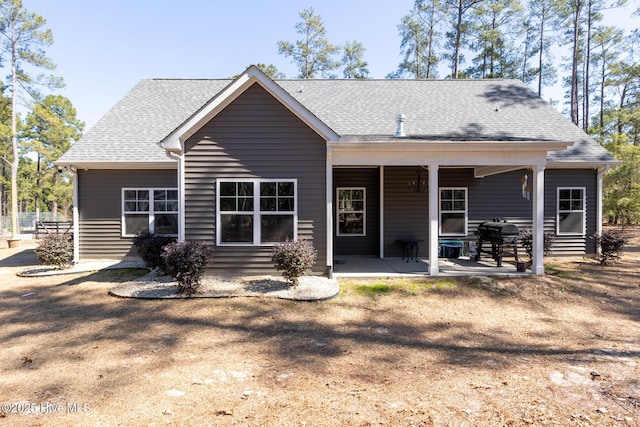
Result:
563,349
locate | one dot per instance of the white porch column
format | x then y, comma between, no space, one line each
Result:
433,220
329,196
601,172
537,266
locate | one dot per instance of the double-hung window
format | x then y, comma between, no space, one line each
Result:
453,211
149,210
571,210
351,211
256,212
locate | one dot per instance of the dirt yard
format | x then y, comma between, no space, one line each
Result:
563,350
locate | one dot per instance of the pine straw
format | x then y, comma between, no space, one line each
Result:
556,350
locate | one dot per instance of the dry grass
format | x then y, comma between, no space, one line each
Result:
561,350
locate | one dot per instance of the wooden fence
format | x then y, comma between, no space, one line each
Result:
53,227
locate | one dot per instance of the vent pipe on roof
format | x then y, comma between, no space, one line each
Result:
400,122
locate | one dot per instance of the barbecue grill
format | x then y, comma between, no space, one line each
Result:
500,233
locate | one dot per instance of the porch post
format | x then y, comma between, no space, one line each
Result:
433,220
537,266
329,196
601,171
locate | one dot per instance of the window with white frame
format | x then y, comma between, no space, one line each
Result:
351,212
149,210
453,211
571,210
256,212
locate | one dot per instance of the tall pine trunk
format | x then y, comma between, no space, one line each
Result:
577,10
587,59
456,52
541,53
15,162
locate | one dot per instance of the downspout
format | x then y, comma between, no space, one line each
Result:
76,216
329,198
601,171
181,205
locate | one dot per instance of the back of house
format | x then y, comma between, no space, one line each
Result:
354,166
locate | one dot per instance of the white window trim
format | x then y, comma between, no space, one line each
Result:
151,211
466,211
583,211
363,211
256,211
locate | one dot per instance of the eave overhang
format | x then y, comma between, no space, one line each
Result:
569,164
84,165
450,146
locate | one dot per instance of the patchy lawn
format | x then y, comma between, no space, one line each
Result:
563,349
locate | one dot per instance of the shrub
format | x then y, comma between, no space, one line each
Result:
526,239
55,250
150,246
611,244
186,262
293,258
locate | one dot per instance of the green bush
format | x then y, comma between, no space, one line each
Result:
526,240
611,244
55,250
150,247
293,258
186,262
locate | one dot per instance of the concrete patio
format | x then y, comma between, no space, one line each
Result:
354,266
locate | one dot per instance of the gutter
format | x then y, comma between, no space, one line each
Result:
75,214
119,165
450,146
599,212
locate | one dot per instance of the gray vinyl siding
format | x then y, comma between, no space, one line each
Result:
497,196
588,178
100,209
500,196
406,213
255,137
369,244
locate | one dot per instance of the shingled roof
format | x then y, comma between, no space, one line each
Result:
356,110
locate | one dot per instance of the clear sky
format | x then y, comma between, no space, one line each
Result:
104,47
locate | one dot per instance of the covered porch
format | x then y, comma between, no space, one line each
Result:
482,158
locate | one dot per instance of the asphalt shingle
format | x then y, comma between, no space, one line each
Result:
443,110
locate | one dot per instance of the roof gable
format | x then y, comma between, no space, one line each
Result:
174,141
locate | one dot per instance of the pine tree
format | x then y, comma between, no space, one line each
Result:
354,66
458,10
313,54
49,131
22,39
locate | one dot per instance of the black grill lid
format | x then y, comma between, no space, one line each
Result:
498,227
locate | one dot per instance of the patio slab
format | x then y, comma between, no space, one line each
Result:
395,267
